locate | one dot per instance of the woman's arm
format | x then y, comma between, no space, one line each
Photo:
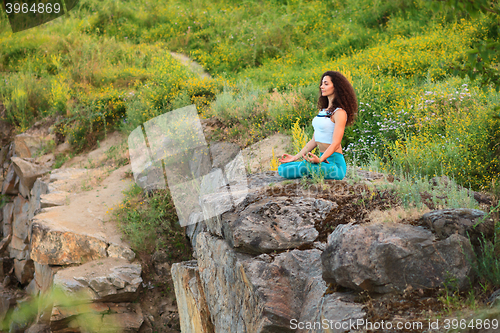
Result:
338,133
308,147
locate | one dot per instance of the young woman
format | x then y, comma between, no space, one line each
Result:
338,108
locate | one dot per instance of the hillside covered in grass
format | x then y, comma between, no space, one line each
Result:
108,65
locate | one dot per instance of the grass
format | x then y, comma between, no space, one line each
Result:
150,223
114,70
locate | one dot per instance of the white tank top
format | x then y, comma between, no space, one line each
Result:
323,127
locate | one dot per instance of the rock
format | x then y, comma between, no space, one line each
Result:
21,149
28,172
462,221
126,322
24,270
442,180
44,275
119,251
222,153
20,221
262,294
47,160
32,143
276,223
24,191
105,280
62,315
160,263
258,155
151,178
31,288
387,257
6,265
63,148
3,154
39,188
194,228
18,249
4,243
11,182
39,328
193,310
8,211
53,199
6,129
5,303
54,246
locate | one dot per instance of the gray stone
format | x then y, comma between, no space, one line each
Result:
39,328
20,225
105,280
56,246
27,171
24,270
119,251
5,304
44,275
6,129
8,211
39,188
18,249
11,182
222,153
24,191
53,199
463,221
276,223
390,257
262,294
194,228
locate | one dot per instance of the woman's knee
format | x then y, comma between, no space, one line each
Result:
281,171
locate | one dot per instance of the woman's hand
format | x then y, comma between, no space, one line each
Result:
286,158
313,158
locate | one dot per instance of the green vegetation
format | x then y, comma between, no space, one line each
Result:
107,65
31,307
150,223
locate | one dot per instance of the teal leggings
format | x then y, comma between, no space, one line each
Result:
335,170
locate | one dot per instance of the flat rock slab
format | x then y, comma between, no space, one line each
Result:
276,223
98,317
53,199
106,280
80,231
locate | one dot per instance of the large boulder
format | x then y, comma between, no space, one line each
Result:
54,245
265,293
276,223
390,257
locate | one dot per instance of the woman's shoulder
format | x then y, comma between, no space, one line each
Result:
335,112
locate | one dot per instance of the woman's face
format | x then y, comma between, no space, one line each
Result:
326,86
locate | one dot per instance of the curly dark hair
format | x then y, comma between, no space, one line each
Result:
345,97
